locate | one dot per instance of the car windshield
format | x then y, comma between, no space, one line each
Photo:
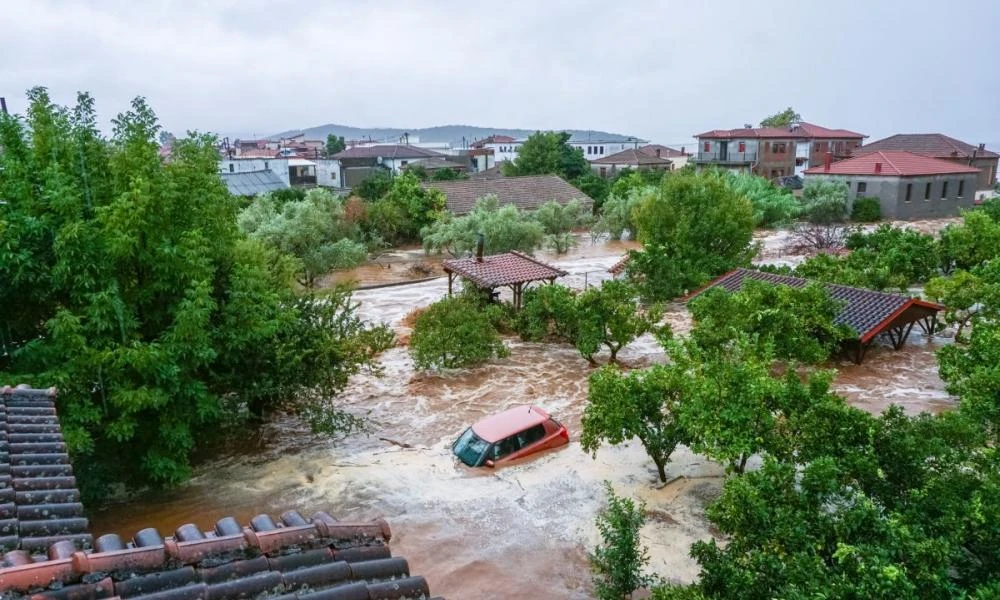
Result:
469,448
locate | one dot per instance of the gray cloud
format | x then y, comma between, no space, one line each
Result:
658,69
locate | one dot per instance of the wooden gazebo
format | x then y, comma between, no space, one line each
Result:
512,270
868,312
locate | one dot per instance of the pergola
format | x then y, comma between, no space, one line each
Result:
513,270
868,312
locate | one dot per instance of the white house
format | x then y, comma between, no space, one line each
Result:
593,147
291,171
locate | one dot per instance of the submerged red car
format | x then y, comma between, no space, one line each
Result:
506,436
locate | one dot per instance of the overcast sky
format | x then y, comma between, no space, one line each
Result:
662,70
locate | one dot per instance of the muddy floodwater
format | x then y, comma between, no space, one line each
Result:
518,531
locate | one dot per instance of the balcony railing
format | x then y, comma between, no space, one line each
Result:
302,179
727,158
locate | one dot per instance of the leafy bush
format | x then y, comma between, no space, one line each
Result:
452,333
973,242
793,323
548,313
866,210
693,228
505,228
159,321
908,255
824,202
375,186
610,316
559,220
618,562
771,205
617,214
399,215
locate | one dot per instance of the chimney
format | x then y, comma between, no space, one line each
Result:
827,160
981,146
682,150
878,168
480,243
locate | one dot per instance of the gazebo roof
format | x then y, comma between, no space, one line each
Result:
868,312
498,270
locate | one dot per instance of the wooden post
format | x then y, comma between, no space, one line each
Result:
451,277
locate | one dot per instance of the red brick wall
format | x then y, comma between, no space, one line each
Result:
773,164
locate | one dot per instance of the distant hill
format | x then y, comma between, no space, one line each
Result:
453,134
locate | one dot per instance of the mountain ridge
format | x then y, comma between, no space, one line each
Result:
456,135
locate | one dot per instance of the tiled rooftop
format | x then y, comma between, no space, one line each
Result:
46,552
665,151
527,192
936,145
387,151
633,157
502,269
803,131
892,164
39,502
868,312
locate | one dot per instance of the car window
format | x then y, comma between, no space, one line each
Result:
530,436
469,448
505,447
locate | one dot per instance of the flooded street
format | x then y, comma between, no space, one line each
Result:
519,531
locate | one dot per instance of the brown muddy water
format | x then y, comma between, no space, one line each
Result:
519,531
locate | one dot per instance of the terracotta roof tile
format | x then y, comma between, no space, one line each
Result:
39,501
665,151
867,311
893,164
632,157
803,131
935,145
502,269
527,193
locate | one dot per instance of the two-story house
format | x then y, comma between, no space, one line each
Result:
775,152
937,145
592,146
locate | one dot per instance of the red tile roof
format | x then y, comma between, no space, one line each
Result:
867,311
893,164
39,502
388,151
803,131
45,549
665,151
527,192
632,157
619,267
936,145
257,153
493,139
502,269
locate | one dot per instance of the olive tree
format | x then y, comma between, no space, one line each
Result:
611,316
454,332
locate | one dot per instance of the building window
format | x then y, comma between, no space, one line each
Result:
743,146
602,149
232,168
862,187
265,164
403,163
944,190
909,192
927,192
961,188
816,147
708,146
604,171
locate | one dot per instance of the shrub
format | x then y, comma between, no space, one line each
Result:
548,312
866,210
618,562
453,333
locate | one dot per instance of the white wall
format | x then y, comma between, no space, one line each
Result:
328,172
594,150
245,165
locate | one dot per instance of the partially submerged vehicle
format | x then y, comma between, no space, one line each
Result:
509,435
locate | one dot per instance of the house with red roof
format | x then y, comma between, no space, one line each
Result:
775,152
938,145
907,185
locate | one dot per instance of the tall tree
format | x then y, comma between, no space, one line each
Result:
609,315
548,153
504,228
782,119
155,317
334,144
694,227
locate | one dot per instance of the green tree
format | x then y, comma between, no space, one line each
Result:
973,242
375,186
453,333
610,316
405,208
417,171
795,323
548,153
692,229
595,187
504,228
617,564
156,318
448,174
866,210
909,255
617,214
824,202
640,404
334,144
559,221
313,230
771,205
548,313
782,119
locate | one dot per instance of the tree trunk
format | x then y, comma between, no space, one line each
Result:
743,464
661,469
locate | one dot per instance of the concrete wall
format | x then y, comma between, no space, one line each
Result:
891,192
328,172
708,150
612,170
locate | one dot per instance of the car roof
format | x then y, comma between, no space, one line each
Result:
496,427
